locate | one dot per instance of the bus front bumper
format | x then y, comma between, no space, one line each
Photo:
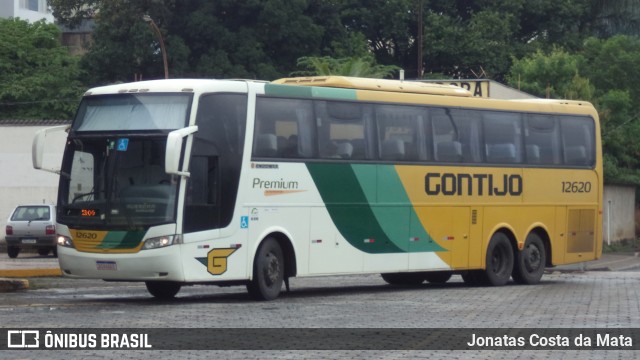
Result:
145,265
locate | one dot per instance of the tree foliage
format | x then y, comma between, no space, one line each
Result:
354,66
603,72
38,77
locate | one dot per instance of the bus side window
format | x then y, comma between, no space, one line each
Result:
578,140
341,130
503,137
456,135
542,140
284,128
399,137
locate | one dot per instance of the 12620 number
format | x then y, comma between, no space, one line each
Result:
576,186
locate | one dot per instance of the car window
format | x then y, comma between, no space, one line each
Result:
30,213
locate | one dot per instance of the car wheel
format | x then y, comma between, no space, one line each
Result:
43,251
13,251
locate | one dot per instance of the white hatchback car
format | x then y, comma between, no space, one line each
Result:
32,226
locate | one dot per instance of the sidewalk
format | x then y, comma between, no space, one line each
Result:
14,273
608,262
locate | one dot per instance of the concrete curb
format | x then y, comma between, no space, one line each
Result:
11,280
7,285
26,273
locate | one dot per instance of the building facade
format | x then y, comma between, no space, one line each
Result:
30,10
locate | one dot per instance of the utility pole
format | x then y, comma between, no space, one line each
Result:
420,30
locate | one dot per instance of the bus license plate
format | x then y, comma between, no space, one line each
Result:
106,265
28,241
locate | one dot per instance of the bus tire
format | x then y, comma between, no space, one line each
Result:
438,277
530,262
499,260
268,271
163,290
407,279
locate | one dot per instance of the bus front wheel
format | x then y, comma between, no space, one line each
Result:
530,262
499,261
163,290
268,271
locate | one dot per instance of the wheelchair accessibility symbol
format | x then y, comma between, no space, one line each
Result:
123,144
244,222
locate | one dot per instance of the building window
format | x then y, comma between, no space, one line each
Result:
34,5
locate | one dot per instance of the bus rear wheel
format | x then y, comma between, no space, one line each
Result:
499,260
268,271
163,290
530,262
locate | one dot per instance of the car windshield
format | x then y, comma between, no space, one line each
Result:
31,213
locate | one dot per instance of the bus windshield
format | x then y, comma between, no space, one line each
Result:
116,183
124,112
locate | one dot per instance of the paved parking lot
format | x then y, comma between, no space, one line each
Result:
567,299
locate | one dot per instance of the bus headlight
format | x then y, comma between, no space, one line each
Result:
64,241
161,241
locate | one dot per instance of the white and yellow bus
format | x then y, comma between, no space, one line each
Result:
178,182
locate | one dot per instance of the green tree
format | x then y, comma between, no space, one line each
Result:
605,73
359,67
225,38
553,75
38,77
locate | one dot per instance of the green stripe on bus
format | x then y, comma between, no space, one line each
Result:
309,92
394,211
349,191
122,240
349,208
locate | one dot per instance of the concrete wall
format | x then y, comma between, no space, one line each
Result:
20,183
618,215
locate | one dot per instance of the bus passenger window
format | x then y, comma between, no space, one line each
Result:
542,140
456,135
341,130
502,136
578,140
284,128
398,134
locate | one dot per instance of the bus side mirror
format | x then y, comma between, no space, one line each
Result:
173,151
37,147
